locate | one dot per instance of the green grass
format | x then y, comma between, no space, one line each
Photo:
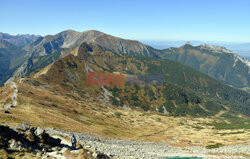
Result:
118,114
231,123
217,145
198,127
231,133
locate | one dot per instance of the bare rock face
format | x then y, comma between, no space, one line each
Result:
216,49
39,131
23,127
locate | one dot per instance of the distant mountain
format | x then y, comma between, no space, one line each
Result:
247,57
241,49
218,62
18,40
11,57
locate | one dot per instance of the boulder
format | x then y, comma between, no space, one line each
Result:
7,112
23,127
39,131
26,126
20,128
102,156
30,136
14,144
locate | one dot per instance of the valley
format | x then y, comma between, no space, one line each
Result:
188,113
135,99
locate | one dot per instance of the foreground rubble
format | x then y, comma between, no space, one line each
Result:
25,141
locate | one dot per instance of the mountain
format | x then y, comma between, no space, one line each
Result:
182,91
64,42
216,61
69,39
18,40
87,88
241,49
11,57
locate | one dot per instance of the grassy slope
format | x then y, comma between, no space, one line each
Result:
184,90
51,106
61,99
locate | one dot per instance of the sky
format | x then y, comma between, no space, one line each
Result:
206,20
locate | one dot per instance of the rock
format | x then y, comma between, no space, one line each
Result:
88,146
14,144
31,137
26,126
102,156
95,154
53,142
7,112
20,128
23,127
33,129
39,131
64,149
112,155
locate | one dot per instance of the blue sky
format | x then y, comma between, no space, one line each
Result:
207,20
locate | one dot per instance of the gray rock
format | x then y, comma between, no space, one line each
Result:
95,154
23,127
14,145
26,126
39,131
20,128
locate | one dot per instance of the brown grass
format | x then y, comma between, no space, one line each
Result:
46,108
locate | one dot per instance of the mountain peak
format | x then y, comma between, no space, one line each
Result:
188,43
217,49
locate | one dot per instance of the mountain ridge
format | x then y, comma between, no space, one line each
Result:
181,83
19,39
204,59
218,62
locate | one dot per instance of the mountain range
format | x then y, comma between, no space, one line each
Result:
62,61
18,40
240,48
217,62
209,59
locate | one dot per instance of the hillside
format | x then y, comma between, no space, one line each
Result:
180,89
64,42
11,57
217,62
186,108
